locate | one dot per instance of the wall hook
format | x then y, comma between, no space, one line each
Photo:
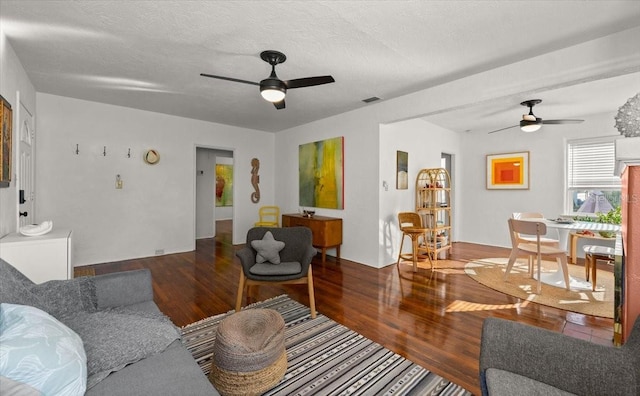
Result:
77,149
104,151
129,153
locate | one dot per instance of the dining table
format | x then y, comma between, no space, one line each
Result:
564,228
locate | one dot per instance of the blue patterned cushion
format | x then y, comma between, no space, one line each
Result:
38,350
268,249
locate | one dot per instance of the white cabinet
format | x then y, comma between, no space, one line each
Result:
40,258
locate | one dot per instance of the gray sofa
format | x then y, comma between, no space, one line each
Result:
169,371
518,359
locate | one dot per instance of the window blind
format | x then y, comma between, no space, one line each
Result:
591,164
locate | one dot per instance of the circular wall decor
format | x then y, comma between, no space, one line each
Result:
151,157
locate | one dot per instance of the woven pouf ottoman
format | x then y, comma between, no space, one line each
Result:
249,356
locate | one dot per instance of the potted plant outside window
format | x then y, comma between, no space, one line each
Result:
611,217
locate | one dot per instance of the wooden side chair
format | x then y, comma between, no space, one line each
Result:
593,253
410,224
537,249
269,216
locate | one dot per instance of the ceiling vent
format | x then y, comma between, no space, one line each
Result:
371,99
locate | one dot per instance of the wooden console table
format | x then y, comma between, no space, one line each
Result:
327,231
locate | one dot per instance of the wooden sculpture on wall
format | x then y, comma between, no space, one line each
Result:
255,179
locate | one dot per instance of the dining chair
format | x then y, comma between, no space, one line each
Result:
544,240
269,216
593,253
534,229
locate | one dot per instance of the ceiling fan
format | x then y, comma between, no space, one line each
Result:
531,123
272,88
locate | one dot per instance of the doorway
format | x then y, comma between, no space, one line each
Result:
25,166
209,189
445,162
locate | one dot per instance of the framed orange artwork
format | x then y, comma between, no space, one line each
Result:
509,171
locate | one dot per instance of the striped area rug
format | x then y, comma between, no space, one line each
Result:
326,358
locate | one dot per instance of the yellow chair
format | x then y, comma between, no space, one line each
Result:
269,217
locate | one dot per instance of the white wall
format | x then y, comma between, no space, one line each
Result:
13,79
369,215
156,208
364,232
361,148
484,212
425,142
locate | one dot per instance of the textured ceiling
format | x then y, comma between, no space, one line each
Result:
149,54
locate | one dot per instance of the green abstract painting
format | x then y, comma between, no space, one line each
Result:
321,174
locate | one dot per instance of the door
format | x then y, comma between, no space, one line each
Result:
25,171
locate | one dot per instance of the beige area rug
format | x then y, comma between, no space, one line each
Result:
580,298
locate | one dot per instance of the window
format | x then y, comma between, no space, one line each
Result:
592,186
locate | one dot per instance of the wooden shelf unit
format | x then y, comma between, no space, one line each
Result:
433,203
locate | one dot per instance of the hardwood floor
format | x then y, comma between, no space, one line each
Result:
404,311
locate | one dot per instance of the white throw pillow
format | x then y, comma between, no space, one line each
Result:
37,350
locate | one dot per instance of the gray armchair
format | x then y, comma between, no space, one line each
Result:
295,261
518,359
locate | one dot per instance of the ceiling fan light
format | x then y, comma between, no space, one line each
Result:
272,90
530,126
272,95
